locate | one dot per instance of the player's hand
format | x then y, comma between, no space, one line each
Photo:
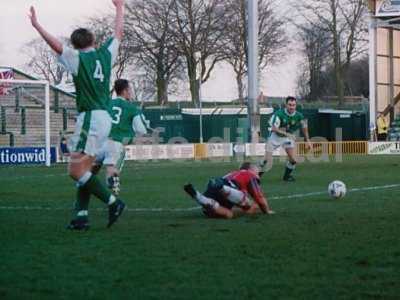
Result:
32,17
309,146
118,3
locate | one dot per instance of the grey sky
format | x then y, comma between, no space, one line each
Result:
59,17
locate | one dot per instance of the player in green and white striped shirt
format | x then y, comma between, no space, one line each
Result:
284,124
127,121
91,71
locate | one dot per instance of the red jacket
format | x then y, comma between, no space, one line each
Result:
249,182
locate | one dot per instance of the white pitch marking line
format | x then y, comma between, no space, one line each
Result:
305,195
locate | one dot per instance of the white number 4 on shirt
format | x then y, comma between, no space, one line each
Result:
98,72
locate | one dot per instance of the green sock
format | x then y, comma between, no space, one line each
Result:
287,172
97,188
82,198
82,203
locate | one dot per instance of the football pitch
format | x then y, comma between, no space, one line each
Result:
163,247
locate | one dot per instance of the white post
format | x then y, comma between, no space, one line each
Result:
252,7
372,74
47,122
200,101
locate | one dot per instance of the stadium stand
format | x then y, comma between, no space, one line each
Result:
22,113
394,131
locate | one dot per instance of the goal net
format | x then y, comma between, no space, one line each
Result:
26,134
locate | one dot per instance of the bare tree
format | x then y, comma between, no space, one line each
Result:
143,86
149,31
146,52
344,20
316,49
102,28
43,61
272,37
197,30
357,77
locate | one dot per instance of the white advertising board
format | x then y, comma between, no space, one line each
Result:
153,152
259,150
219,150
379,148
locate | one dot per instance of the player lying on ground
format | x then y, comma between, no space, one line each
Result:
127,121
284,124
232,190
91,71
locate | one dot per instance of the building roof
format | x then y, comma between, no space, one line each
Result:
30,77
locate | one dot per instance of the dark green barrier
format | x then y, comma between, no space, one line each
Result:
56,101
169,119
65,119
3,120
12,142
233,128
17,99
23,120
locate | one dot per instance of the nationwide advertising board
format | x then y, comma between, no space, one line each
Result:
27,155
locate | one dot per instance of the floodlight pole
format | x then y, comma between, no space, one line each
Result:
200,101
372,75
253,90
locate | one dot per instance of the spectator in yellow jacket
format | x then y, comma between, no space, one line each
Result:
382,127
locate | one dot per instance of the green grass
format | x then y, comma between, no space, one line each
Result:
313,248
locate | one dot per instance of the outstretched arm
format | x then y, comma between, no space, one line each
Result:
259,198
138,125
275,127
283,132
306,134
52,41
119,19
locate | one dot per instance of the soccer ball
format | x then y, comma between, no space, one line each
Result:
337,189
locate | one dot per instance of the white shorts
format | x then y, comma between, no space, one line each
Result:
91,132
275,141
113,154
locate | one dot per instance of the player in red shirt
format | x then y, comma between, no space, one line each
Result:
234,189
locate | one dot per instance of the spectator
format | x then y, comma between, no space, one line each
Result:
64,148
382,127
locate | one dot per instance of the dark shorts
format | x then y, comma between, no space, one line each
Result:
382,137
213,191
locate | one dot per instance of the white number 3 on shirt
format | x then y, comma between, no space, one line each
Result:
117,116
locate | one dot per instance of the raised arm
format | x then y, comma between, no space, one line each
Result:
52,41
119,18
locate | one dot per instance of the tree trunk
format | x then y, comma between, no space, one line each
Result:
162,90
193,82
337,58
339,84
311,83
240,87
338,70
161,81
